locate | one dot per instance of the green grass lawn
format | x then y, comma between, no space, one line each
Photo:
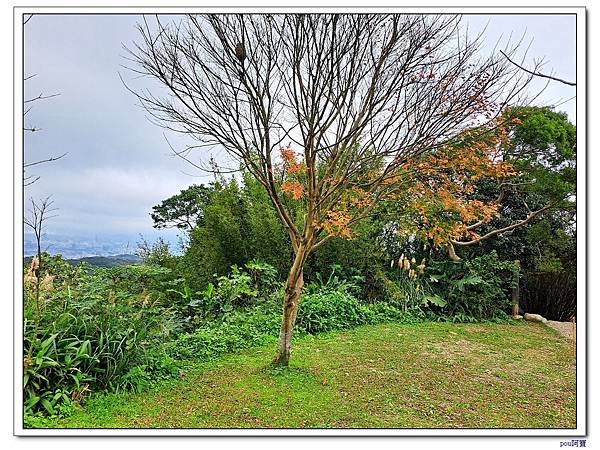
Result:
431,375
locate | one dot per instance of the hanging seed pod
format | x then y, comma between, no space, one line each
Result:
406,264
240,52
413,260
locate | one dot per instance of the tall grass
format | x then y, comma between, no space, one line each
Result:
84,333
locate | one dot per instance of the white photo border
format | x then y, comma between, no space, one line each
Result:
582,257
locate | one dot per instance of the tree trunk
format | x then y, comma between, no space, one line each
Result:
291,301
515,291
452,253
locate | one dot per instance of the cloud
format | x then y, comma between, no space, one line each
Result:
111,198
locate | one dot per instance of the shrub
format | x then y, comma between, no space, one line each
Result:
382,312
156,254
478,289
239,289
321,312
236,289
87,333
67,361
335,283
327,311
235,331
264,276
126,328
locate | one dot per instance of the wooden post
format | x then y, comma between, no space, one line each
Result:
515,291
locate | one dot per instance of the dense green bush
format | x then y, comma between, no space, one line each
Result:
476,289
322,312
319,312
157,253
336,282
329,303
105,329
333,303
355,260
234,331
382,312
242,287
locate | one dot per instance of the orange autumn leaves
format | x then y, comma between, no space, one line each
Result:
293,169
337,224
293,188
336,221
441,196
290,161
434,194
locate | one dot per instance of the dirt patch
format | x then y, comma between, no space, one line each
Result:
458,349
564,328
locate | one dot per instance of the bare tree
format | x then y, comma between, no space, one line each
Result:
39,213
355,96
27,107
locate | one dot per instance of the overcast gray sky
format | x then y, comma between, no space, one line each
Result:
118,164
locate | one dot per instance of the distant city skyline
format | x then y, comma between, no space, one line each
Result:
78,246
118,164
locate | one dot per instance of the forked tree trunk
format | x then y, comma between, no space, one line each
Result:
291,301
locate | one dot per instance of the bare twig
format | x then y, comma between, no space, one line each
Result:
538,74
28,180
41,96
38,215
52,158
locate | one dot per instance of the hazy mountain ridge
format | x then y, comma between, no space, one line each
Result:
99,261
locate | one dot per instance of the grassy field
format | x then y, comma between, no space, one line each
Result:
428,375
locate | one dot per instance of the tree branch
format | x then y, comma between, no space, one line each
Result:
532,215
52,158
41,96
538,74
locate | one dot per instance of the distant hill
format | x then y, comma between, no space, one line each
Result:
100,261
107,261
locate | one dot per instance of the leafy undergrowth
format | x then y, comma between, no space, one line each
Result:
428,375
